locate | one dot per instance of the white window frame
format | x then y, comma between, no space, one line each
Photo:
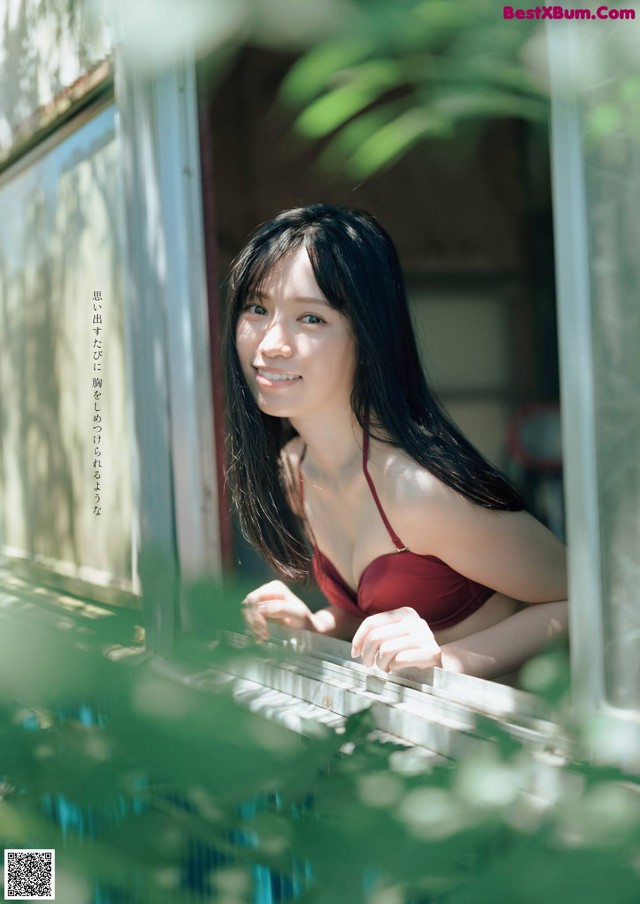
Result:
166,304
617,731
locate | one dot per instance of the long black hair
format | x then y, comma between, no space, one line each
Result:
356,267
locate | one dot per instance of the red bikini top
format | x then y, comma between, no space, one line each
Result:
440,595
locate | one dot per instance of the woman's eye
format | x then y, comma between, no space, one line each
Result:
254,308
312,319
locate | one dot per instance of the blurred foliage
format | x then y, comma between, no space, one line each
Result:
372,76
612,124
414,70
156,788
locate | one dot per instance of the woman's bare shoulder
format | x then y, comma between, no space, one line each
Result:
404,482
414,500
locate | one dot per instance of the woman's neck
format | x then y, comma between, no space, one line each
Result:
334,445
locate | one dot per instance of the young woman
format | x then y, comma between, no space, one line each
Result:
341,460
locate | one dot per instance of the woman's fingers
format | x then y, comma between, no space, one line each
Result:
272,591
423,658
396,640
274,602
387,652
253,607
408,652
255,621
376,637
276,611
380,620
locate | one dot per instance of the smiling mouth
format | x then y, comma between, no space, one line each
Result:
275,376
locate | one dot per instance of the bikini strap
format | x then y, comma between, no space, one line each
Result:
399,545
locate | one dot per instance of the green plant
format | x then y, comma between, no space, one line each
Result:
129,773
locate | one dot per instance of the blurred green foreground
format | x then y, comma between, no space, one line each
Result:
152,789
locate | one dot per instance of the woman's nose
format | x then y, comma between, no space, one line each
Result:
276,341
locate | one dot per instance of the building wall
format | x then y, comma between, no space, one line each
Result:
66,466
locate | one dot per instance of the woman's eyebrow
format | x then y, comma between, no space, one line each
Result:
304,299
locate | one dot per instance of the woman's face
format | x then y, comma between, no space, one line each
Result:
297,353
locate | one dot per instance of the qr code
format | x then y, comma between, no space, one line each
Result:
29,874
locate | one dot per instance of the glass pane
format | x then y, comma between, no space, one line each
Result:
610,117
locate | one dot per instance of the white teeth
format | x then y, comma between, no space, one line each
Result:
269,375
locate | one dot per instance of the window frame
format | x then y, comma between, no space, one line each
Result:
615,732
179,534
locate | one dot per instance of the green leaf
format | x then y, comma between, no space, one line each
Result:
397,137
309,76
352,135
366,83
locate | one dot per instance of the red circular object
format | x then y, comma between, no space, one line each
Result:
534,437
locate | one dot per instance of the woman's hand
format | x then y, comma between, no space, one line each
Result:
275,602
396,640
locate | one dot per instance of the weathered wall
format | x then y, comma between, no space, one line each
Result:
47,50
59,243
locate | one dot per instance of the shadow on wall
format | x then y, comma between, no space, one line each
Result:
61,244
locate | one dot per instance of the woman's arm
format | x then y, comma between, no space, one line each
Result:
511,552
504,647
401,639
